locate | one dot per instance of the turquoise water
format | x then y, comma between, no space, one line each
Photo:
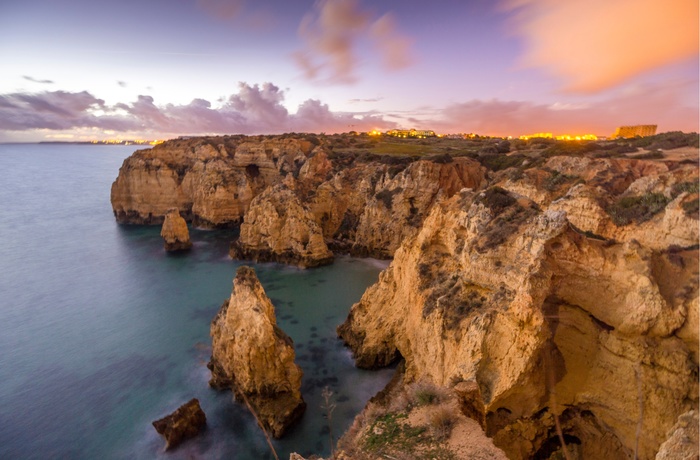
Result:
102,332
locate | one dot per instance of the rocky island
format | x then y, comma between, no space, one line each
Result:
254,358
547,291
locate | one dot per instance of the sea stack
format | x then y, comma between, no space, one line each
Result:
175,235
255,358
186,422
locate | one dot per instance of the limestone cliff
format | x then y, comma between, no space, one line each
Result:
255,358
174,232
596,335
211,181
278,228
364,205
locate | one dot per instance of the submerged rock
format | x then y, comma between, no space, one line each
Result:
255,358
175,235
186,422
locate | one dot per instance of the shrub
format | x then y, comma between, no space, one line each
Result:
692,208
387,196
651,155
680,187
557,179
424,393
441,420
498,162
636,208
496,199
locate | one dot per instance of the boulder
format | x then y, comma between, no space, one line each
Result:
186,422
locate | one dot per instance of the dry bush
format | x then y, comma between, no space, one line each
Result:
424,393
441,420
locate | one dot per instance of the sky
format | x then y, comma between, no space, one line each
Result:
75,70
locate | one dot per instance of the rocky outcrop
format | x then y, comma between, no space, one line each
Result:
361,205
255,358
211,181
553,326
185,423
174,232
401,203
279,228
682,442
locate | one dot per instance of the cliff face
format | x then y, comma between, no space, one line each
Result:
594,333
363,206
255,358
211,181
278,228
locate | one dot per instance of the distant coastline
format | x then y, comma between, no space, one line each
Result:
126,142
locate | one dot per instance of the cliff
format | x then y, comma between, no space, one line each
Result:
278,228
591,326
255,358
363,205
211,181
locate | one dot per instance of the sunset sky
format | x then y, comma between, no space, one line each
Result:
78,69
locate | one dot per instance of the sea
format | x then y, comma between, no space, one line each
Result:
102,332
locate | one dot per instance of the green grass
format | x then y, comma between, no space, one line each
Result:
390,434
637,209
389,431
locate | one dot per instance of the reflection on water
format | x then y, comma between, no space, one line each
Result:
102,332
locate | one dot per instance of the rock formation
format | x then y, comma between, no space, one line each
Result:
175,235
682,442
554,326
211,181
364,206
551,290
277,227
186,422
255,358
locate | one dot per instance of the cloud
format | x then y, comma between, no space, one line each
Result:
331,33
32,79
123,84
260,109
371,99
395,48
667,106
222,9
253,109
594,45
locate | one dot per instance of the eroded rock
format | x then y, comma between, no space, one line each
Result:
185,423
279,228
253,357
176,236
549,324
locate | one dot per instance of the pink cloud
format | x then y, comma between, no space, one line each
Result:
394,47
667,106
253,109
222,9
593,45
331,32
